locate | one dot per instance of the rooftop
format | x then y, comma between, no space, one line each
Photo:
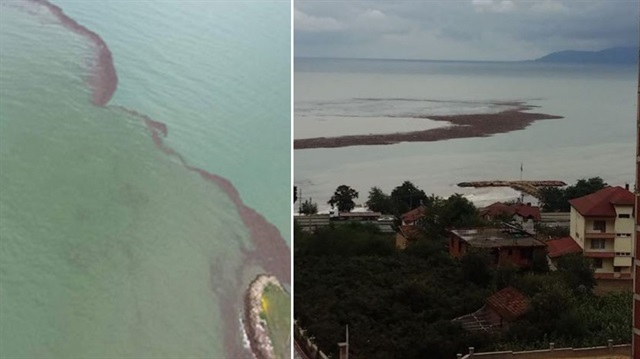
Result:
360,214
561,246
496,237
603,202
521,209
509,303
414,214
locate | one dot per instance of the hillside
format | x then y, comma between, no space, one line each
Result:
613,55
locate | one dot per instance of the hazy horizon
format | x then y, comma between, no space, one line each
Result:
473,30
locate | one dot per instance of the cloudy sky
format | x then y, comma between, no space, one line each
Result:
461,29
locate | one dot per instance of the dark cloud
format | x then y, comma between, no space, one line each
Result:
468,29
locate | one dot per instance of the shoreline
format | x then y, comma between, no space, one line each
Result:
259,340
271,251
530,188
461,126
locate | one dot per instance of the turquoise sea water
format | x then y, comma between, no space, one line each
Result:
109,248
218,74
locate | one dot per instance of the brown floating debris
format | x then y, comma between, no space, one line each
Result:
462,126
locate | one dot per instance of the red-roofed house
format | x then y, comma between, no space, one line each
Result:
524,215
413,216
500,310
559,247
602,224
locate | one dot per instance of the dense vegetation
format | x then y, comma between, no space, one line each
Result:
399,304
308,207
402,199
555,199
276,311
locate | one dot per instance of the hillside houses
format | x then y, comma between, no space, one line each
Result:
507,245
522,215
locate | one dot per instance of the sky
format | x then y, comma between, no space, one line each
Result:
481,30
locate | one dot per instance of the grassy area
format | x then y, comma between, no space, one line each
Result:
276,310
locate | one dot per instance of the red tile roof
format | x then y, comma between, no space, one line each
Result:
601,203
414,214
509,303
561,246
521,209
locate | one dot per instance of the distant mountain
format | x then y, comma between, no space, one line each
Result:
613,55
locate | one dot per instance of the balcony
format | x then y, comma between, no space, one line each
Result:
599,254
600,235
615,275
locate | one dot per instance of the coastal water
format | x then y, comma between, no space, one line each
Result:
111,244
596,137
218,74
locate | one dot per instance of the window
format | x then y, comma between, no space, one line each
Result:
624,215
597,263
617,269
623,234
623,254
600,226
597,244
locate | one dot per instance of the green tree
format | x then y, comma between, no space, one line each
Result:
584,187
506,275
476,267
577,272
552,305
554,199
459,212
453,212
407,197
539,263
379,201
343,198
309,207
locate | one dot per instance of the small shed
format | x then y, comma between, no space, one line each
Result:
501,309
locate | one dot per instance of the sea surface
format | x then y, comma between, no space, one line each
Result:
596,137
117,241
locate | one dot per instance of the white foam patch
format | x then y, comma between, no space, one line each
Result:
245,338
482,197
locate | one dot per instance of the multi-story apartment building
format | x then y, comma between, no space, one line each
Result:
602,224
636,280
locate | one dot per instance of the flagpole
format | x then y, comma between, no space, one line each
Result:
521,193
520,171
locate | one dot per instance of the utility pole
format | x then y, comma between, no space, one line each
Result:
344,346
